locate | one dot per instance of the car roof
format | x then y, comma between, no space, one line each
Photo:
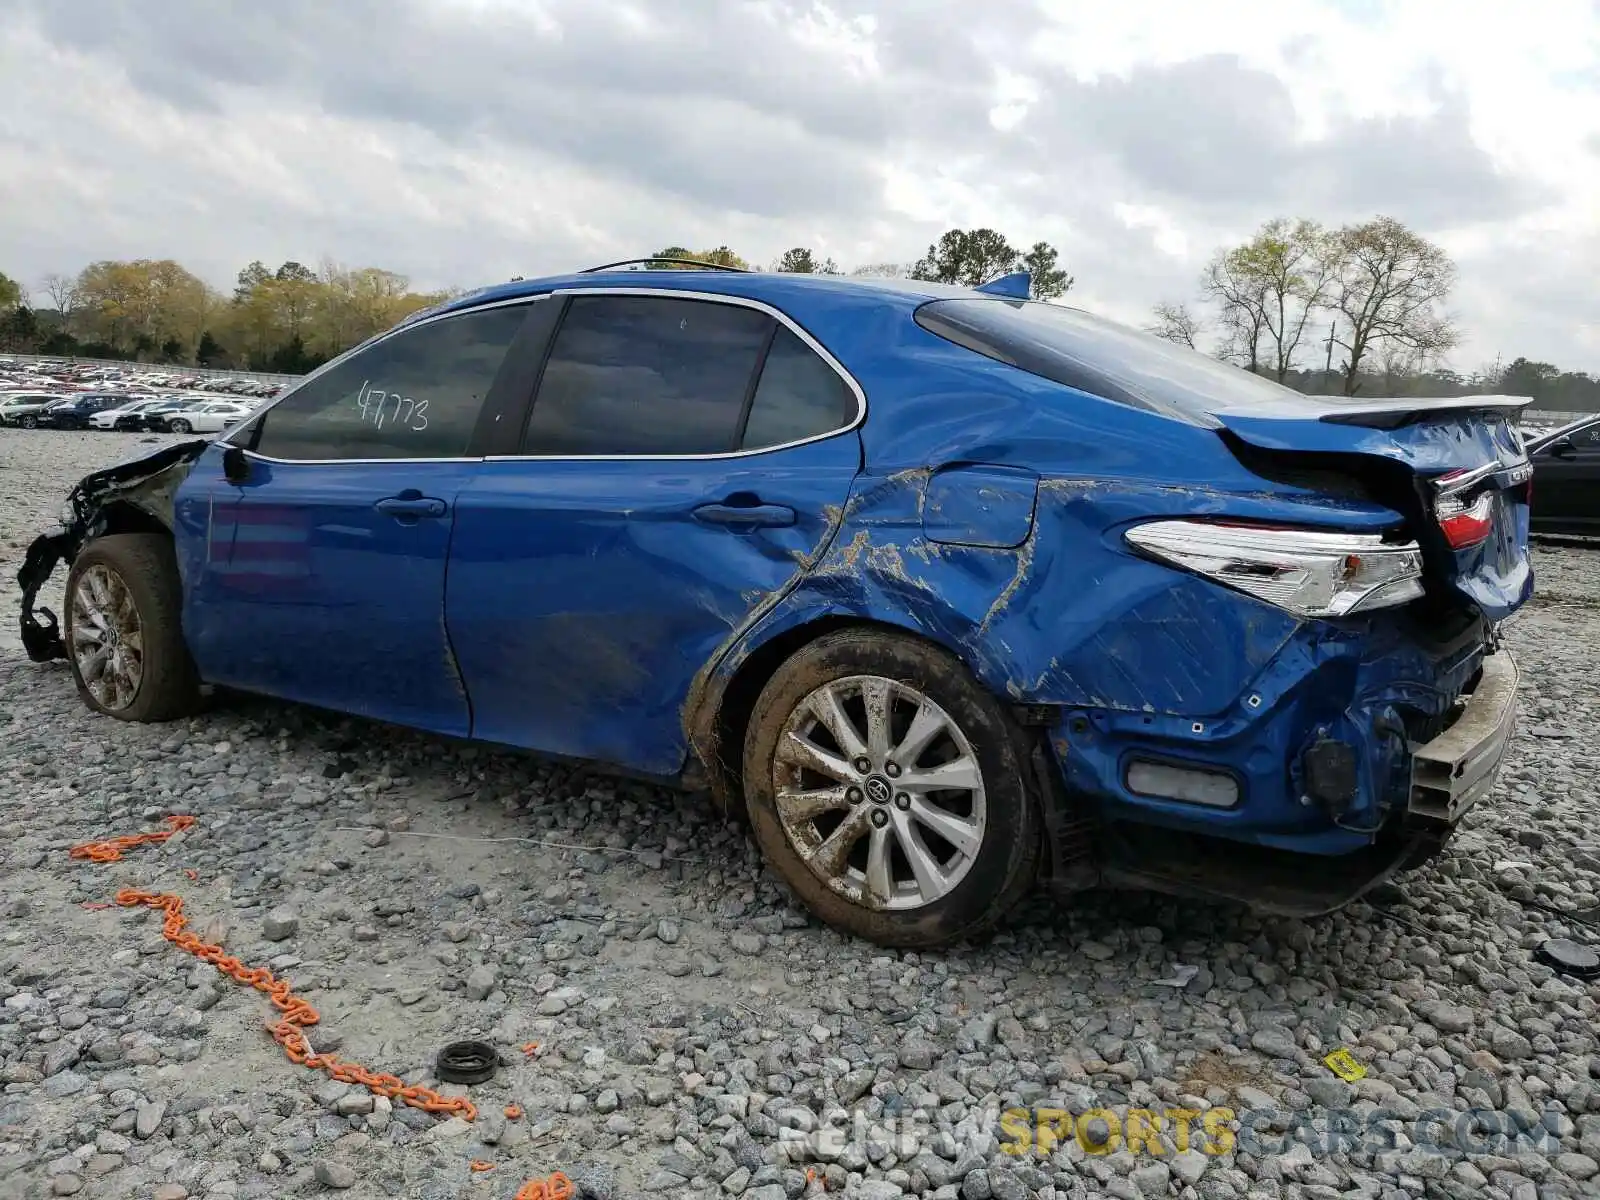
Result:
773,287
1551,435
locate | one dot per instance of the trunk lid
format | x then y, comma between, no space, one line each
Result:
1455,467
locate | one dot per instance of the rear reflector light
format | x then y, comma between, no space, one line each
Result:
1308,572
1465,525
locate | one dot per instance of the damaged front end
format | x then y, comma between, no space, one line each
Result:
134,496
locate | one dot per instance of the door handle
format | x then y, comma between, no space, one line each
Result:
746,516
413,504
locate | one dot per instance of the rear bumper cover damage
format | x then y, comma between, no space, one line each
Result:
1439,781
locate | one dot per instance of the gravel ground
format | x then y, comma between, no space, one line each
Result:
693,1025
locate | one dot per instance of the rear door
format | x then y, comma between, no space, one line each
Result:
321,576
684,455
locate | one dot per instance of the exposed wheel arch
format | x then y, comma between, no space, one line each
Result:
718,737
123,516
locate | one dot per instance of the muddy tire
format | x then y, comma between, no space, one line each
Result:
124,639
889,789
29,422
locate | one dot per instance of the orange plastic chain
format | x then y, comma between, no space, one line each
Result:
110,851
289,1030
553,1187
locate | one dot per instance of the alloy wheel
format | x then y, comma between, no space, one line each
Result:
880,792
107,637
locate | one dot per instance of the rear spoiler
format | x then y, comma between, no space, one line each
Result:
1391,414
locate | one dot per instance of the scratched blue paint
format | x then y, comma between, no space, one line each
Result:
578,607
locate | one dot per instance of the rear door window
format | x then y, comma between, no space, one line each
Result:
799,396
415,394
647,376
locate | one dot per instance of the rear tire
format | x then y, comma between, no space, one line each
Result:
28,422
862,833
123,630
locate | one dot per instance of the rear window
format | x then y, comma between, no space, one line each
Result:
1091,354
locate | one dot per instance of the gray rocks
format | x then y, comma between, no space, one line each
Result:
60,1057
147,1119
280,924
480,982
747,943
335,1175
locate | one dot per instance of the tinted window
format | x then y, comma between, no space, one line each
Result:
1103,358
416,394
646,375
799,396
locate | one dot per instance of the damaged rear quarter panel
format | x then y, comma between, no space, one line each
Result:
1070,616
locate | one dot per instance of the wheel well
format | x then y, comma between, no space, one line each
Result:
739,697
123,517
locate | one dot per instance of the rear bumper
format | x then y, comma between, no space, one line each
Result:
1458,768
1420,728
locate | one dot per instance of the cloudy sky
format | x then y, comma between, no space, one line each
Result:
466,141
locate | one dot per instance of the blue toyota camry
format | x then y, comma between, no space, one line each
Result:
946,591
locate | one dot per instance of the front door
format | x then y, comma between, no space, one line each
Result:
683,459
320,576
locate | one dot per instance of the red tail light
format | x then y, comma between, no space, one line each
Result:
1465,526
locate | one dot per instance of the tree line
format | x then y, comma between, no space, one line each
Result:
291,319
1358,309
1361,309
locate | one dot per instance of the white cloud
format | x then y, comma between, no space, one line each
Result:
464,141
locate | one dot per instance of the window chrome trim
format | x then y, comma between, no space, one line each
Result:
376,339
777,314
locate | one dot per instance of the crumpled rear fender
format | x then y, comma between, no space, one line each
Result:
147,484
1070,616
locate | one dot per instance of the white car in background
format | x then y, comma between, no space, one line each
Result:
212,417
126,416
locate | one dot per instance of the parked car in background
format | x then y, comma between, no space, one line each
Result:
125,417
211,417
943,588
22,409
1566,479
75,411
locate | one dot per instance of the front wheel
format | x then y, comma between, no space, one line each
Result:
28,422
124,640
887,787
179,426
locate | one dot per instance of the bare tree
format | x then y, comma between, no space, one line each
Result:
1389,286
1176,323
1241,298
62,290
1290,267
